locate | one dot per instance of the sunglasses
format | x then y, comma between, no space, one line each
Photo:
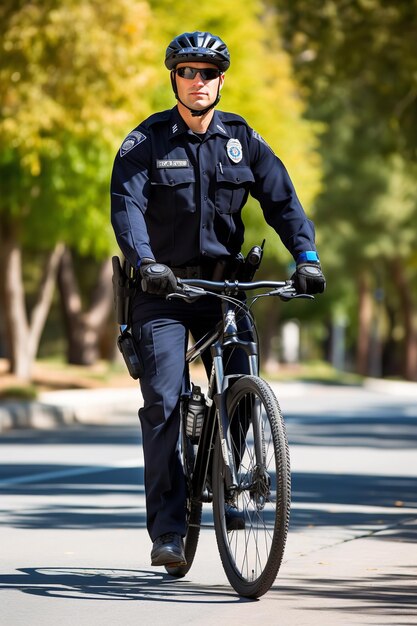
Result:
207,73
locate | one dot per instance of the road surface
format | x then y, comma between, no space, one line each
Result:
74,547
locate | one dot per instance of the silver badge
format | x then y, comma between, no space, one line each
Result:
234,150
132,140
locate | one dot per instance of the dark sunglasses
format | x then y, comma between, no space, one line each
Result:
207,73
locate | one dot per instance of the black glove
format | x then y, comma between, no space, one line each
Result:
157,278
308,278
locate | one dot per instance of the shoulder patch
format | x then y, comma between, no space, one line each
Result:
261,139
132,140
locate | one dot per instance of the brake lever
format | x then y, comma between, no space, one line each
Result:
184,292
292,296
183,296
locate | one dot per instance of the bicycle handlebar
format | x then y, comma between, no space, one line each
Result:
192,288
235,285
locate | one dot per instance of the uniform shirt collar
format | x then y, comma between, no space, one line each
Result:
178,126
216,125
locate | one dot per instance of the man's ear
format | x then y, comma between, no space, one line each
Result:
221,81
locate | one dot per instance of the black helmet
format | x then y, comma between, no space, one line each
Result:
197,47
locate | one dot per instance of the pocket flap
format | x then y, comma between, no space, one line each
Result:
235,175
172,177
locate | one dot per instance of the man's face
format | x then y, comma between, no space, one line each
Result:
196,92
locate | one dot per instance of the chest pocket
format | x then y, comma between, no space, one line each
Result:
173,189
232,188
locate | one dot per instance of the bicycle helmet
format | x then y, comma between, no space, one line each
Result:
198,46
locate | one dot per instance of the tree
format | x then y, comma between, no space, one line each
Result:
66,69
84,324
356,61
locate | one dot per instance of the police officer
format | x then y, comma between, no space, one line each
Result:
179,182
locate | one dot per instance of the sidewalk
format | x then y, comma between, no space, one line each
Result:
97,406
81,406
68,407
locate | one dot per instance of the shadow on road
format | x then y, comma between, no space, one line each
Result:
352,500
378,594
357,500
97,435
114,584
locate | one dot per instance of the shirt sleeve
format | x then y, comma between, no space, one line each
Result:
275,192
129,191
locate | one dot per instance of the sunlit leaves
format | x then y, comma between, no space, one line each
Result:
73,78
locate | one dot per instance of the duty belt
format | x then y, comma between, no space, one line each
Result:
213,270
192,271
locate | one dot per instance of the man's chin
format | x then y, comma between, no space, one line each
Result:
199,105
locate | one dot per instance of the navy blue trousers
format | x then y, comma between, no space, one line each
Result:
161,329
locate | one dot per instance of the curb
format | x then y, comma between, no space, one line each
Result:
391,387
99,406
18,414
68,408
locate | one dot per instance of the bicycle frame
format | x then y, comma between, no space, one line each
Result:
224,336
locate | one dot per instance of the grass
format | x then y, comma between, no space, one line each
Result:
19,392
54,374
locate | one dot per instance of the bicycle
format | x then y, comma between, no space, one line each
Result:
240,459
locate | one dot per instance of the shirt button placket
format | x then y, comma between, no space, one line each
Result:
203,200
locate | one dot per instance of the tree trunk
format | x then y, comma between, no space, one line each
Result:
84,328
410,327
270,319
365,309
24,335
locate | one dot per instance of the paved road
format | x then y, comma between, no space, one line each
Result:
74,548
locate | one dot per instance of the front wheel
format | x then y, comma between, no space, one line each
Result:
252,554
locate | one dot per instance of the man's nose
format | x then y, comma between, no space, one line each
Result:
198,78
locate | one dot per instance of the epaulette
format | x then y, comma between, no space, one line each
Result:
232,118
157,118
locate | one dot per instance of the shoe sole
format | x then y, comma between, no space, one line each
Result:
164,562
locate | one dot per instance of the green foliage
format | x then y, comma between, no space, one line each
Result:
71,75
368,45
357,64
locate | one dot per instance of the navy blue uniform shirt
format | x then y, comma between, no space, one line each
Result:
177,197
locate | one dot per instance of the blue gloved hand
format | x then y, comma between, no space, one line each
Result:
308,276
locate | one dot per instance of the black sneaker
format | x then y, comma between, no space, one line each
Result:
235,520
168,549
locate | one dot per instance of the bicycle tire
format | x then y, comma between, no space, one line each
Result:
252,556
194,512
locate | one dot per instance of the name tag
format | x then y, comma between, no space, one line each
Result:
171,163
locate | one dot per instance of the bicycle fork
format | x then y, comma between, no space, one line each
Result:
224,382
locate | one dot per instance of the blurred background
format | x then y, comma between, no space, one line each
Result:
332,87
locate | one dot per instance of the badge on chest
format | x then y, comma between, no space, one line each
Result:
234,150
